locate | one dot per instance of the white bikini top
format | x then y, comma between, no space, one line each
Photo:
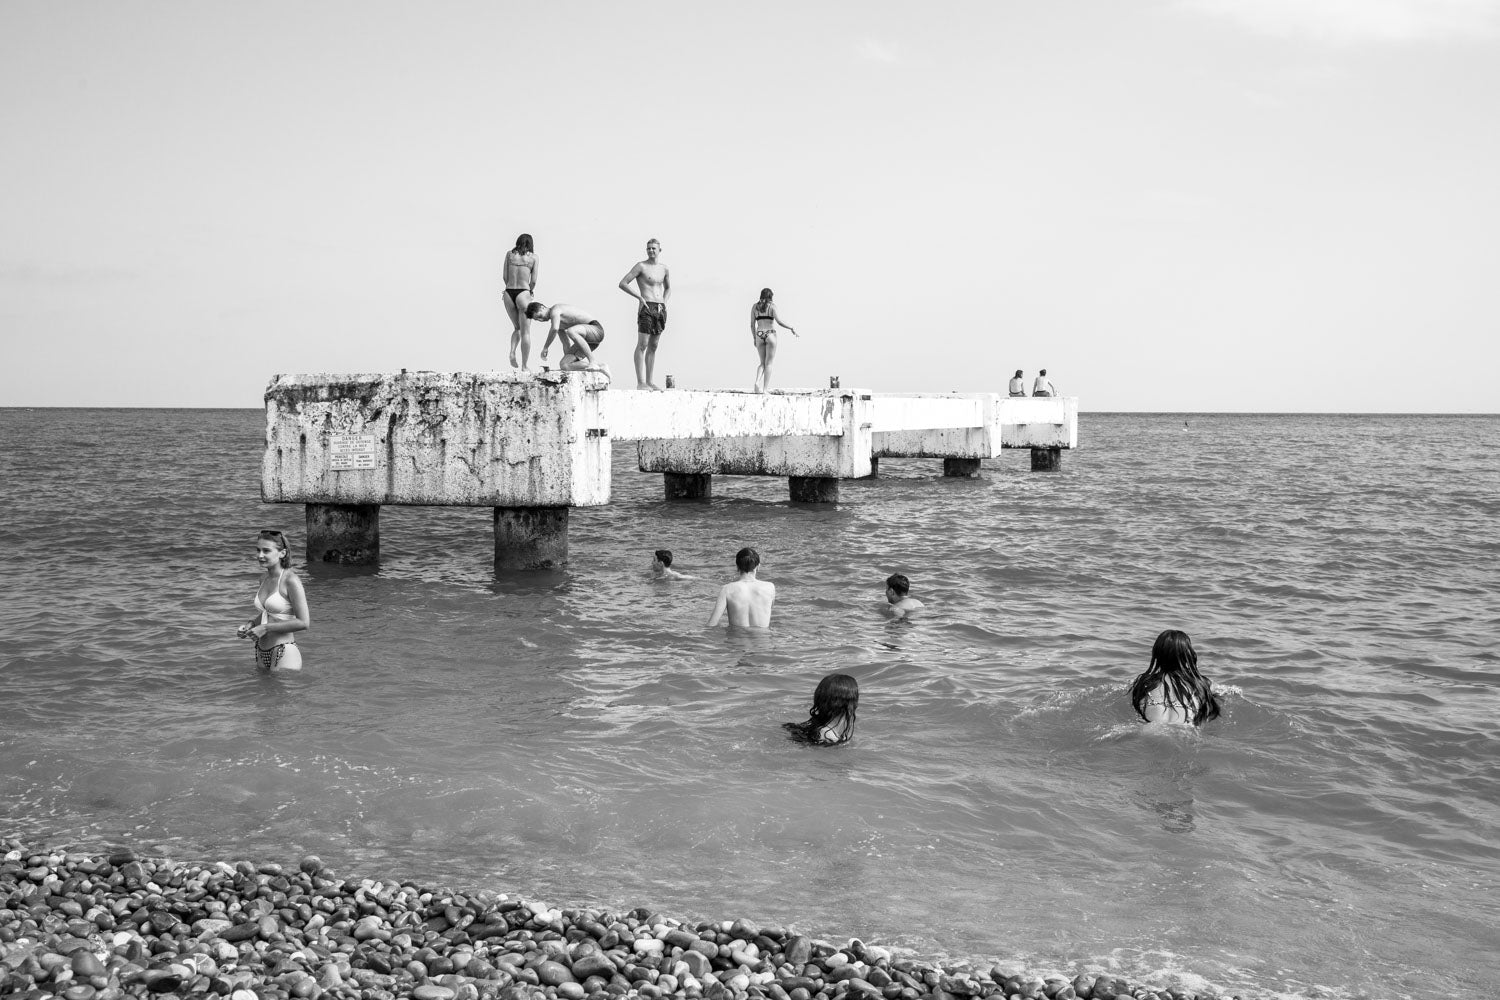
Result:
269,610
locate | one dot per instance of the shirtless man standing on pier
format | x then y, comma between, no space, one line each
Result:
578,332
654,282
747,599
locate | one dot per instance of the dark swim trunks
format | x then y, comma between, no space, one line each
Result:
597,337
651,318
515,292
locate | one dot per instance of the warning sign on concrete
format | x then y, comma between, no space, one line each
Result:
351,451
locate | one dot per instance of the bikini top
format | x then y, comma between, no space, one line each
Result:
268,610
518,269
763,314
1174,712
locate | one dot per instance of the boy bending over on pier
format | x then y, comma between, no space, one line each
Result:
578,332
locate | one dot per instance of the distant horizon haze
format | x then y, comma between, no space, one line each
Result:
1172,205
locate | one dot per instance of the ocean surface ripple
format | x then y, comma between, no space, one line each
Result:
580,736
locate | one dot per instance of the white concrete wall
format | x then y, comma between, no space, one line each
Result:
832,442
485,440
1038,422
633,415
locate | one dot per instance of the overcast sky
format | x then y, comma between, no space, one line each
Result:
1170,204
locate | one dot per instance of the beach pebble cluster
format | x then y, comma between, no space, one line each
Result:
86,927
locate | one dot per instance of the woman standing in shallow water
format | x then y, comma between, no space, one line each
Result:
1171,689
763,324
520,286
281,604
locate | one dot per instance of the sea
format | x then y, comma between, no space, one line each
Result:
582,737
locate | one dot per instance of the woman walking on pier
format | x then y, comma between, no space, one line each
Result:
520,286
281,606
763,324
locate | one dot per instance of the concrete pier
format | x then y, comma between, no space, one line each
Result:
1046,459
532,446
813,489
961,468
347,533
688,486
531,537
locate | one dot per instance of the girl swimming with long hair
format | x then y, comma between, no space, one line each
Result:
831,718
281,606
763,324
1171,689
520,286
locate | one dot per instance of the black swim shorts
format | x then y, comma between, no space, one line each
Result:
651,318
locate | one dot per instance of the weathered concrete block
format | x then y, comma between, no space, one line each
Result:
813,489
961,468
830,439
531,537
1038,422
1046,459
635,415
343,533
916,425
688,486
494,439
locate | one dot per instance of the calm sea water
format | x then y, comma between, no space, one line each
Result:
582,737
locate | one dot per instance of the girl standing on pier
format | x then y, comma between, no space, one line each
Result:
763,324
281,604
520,286
1171,689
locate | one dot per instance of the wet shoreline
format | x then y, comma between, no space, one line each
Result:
99,927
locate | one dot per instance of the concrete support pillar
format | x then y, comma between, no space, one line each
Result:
813,489
961,467
874,469
1046,459
688,485
531,537
346,533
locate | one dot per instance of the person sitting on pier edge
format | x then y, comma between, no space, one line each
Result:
1018,385
280,604
1043,385
897,586
747,599
578,332
661,567
1171,689
831,718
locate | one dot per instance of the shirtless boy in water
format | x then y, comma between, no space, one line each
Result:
747,599
654,282
897,591
579,333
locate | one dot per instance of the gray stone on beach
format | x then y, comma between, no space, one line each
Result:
592,965
306,936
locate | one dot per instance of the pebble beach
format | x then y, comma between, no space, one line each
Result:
98,927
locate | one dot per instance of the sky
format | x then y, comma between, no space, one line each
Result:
1171,205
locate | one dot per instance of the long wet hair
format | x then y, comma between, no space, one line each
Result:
1174,668
277,539
835,704
523,243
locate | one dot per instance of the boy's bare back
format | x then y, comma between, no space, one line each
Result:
747,600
